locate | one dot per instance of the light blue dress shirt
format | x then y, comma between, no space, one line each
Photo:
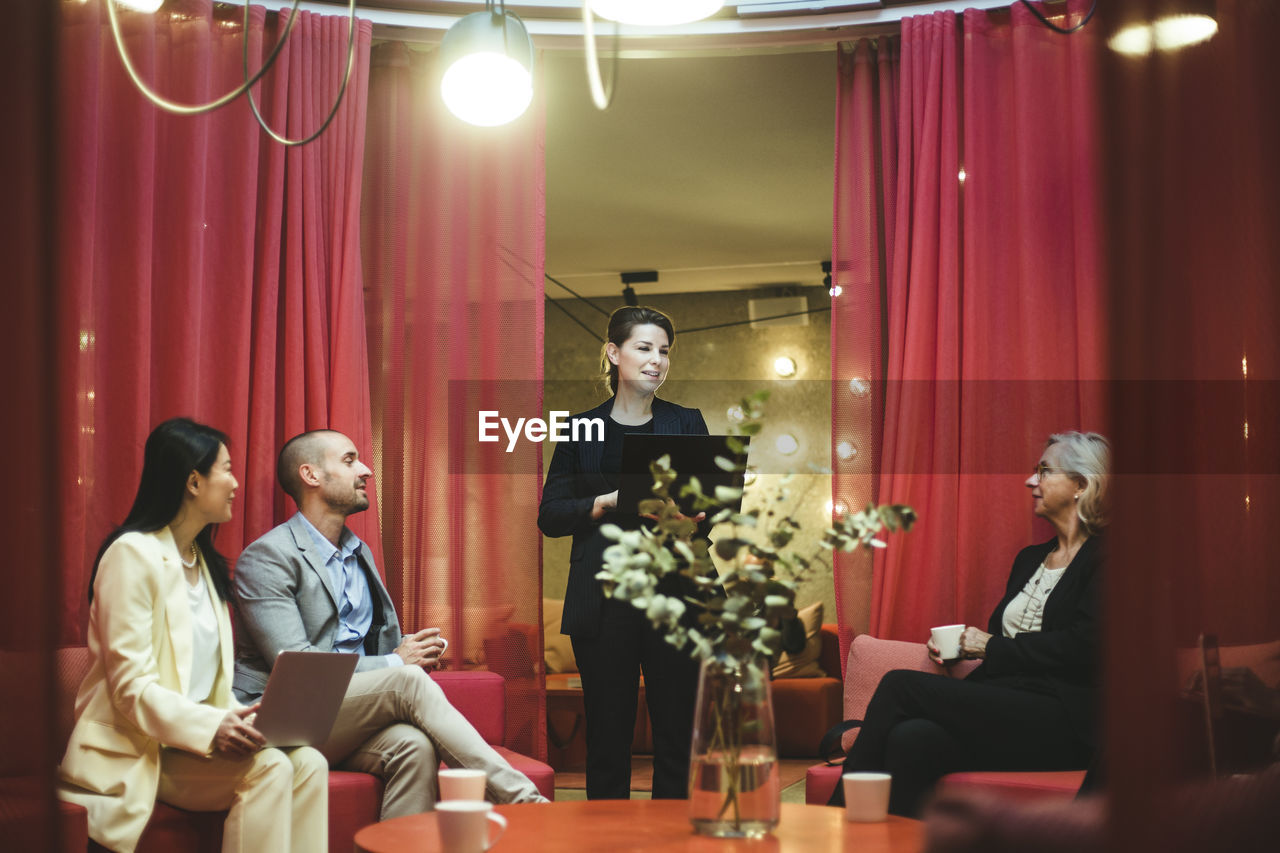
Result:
355,599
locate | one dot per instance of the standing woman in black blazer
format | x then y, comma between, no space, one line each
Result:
1031,704
612,640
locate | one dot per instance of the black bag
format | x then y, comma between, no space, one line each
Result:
830,749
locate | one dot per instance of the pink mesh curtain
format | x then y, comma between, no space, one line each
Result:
988,290
205,270
453,254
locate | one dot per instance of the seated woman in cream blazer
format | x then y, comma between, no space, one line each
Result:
155,718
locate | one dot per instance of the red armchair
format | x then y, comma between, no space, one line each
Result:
869,659
354,798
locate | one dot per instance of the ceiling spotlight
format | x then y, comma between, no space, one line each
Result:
488,61
655,13
786,444
846,450
784,366
637,277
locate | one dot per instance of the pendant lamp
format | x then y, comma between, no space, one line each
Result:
655,13
488,62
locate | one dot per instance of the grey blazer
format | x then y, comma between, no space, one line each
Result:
286,602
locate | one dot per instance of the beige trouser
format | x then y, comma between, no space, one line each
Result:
259,790
397,724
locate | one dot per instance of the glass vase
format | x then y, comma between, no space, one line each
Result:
734,782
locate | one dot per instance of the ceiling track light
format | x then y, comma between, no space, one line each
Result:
488,61
638,277
244,88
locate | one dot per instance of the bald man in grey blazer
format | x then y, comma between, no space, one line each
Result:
310,585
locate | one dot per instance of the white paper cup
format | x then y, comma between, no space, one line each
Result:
866,797
465,826
461,784
947,640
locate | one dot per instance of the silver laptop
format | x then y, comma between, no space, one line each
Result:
303,696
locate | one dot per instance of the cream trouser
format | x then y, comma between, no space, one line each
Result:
259,790
397,724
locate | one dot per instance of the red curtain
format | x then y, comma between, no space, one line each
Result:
1194,207
989,292
206,271
866,175
453,251
30,523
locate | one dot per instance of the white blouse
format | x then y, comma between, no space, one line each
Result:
204,641
1025,613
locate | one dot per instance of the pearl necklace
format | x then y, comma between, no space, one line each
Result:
195,556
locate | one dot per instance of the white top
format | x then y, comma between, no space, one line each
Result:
1025,613
204,641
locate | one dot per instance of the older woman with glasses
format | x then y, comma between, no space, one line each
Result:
1030,704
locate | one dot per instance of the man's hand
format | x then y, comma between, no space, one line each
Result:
422,649
236,737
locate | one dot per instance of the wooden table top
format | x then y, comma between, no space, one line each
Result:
614,826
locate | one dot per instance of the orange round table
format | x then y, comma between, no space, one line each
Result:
612,826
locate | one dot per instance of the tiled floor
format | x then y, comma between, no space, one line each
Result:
792,771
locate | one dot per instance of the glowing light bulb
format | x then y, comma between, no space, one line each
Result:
487,89
1178,31
786,444
784,366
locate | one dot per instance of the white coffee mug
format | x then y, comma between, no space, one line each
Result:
946,639
461,784
464,825
866,796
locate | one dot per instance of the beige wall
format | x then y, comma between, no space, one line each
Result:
711,371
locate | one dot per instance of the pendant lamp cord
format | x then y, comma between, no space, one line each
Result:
194,109
1051,25
346,76
601,96
245,88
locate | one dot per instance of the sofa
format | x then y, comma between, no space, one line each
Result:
869,659
806,694
354,798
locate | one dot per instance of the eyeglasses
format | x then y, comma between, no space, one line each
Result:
1041,471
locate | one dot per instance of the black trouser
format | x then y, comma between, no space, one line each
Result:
610,665
920,726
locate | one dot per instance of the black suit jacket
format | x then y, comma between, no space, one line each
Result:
1062,658
574,479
